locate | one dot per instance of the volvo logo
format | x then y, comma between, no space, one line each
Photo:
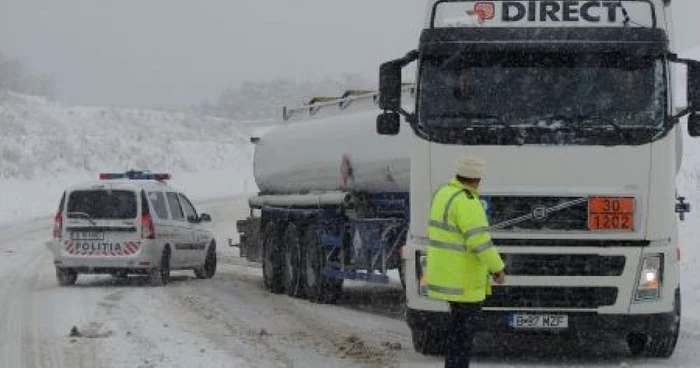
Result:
539,213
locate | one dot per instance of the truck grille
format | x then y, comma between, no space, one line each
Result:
562,213
551,297
563,265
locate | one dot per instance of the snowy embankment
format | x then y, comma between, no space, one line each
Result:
45,146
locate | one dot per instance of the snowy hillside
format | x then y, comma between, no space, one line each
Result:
45,146
43,138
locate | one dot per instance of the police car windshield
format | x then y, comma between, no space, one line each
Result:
467,89
102,204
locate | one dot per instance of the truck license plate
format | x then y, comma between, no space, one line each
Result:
539,321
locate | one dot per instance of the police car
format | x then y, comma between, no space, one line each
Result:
130,223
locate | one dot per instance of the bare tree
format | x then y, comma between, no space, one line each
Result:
262,100
15,76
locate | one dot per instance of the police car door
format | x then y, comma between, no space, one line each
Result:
181,234
195,255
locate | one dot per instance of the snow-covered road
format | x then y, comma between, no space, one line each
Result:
229,321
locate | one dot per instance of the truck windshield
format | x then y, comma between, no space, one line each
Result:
563,92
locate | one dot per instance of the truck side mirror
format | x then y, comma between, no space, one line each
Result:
390,86
694,85
388,123
694,124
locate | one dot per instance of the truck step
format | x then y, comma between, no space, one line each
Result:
332,241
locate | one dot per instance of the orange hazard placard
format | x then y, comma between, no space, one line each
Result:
611,213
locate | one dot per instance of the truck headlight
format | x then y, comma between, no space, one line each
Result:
421,258
650,278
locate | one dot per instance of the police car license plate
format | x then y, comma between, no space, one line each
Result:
538,321
87,235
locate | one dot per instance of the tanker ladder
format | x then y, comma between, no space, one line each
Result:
350,100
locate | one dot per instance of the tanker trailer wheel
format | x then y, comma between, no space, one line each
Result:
273,258
292,259
318,287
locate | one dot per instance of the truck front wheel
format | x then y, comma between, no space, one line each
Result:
660,343
428,341
663,343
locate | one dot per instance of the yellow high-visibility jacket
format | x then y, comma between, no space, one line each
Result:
461,255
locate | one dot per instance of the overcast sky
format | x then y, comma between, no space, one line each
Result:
171,53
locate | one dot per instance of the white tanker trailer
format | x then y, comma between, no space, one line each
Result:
333,198
331,154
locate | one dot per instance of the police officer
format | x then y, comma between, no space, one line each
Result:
461,257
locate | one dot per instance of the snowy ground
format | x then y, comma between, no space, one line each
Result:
229,321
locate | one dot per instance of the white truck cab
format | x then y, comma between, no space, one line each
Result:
571,105
130,223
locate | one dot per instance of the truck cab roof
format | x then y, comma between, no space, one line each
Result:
639,27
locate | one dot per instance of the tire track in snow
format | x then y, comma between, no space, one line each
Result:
27,308
19,333
144,329
287,327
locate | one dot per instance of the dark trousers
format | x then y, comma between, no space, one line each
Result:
463,324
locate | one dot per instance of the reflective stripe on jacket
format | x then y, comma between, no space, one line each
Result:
461,255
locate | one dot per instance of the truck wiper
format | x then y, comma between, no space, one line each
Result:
83,215
583,119
465,115
452,58
599,119
494,122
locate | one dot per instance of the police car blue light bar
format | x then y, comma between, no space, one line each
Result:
135,175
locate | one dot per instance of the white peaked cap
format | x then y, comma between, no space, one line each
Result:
470,167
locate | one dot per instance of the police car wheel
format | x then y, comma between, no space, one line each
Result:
161,275
66,277
208,269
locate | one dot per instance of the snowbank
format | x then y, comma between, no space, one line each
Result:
41,139
45,146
